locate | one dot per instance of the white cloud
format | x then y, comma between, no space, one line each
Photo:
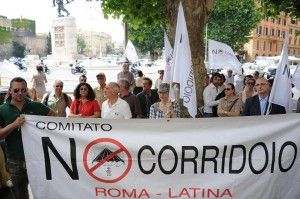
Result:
88,15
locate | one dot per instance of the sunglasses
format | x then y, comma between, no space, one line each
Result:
57,86
227,89
83,89
17,90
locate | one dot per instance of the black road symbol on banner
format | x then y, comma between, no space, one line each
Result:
108,165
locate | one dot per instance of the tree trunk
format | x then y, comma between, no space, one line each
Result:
196,14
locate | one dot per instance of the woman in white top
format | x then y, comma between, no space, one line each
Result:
38,82
248,90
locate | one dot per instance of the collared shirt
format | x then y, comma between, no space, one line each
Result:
119,110
87,108
134,104
99,95
156,113
209,95
263,104
57,104
8,114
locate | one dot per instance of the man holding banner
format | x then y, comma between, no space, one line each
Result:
11,120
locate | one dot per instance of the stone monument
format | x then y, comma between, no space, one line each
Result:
63,34
63,38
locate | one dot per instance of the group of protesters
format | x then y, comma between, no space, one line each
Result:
224,97
129,97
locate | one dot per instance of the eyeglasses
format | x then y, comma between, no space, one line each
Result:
83,89
251,83
261,84
100,78
227,89
17,90
57,86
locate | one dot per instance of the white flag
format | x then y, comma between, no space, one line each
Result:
130,52
221,56
183,69
281,93
168,60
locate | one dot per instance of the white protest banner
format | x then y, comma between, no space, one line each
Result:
281,92
168,59
245,157
221,56
130,52
182,69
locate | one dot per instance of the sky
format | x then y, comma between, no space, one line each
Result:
88,15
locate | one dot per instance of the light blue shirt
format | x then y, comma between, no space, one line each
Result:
263,105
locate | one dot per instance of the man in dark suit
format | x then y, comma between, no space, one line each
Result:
258,104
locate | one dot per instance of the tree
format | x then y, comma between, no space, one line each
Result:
18,49
155,12
80,44
232,20
147,39
48,45
110,49
274,7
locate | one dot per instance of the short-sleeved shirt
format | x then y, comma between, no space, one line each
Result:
119,110
8,114
57,103
99,95
88,108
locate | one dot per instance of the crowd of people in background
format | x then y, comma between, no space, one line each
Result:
131,96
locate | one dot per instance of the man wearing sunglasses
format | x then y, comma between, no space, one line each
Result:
57,100
11,120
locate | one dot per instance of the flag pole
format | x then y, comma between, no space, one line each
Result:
205,56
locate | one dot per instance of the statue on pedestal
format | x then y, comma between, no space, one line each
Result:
61,7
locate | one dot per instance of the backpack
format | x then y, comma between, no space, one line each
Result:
64,95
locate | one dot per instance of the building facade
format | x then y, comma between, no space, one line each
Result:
96,42
267,39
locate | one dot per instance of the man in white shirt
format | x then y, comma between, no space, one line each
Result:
229,77
210,93
114,107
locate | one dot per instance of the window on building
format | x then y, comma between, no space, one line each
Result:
272,20
290,40
270,46
284,22
257,45
291,31
279,21
283,34
278,33
289,51
259,30
294,52
272,32
276,47
264,47
267,31
295,41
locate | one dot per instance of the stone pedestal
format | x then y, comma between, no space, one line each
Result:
63,38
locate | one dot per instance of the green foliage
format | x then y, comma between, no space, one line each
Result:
24,23
147,39
81,45
274,7
135,13
5,35
232,21
18,49
48,45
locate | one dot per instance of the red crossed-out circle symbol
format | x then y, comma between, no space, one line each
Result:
92,168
